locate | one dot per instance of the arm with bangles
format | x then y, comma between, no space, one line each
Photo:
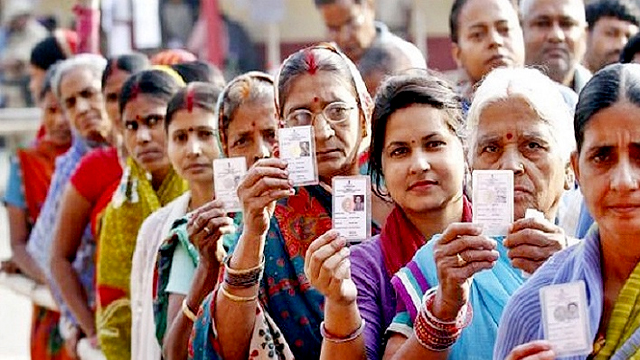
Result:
73,218
459,253
328,268
235,309
206,228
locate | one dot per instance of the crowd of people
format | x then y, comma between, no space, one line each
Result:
113,205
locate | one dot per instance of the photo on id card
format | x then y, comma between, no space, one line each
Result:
227,174
351,201
565,318
297,148
492,201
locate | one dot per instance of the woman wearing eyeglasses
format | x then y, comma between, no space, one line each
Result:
265,307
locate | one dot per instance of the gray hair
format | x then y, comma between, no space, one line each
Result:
538,91
94,63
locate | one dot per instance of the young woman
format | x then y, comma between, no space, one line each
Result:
82,204
187,273
192,146
417,149
518,121
606,165
148,183
266,307
29,178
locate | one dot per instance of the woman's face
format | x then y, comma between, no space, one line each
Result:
422,160
56,124
252,132
608,168
336,144
144,135
111,91
192,145
511,136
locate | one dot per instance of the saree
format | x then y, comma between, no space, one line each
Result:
36,166
143,276
134,200
289,310
489,292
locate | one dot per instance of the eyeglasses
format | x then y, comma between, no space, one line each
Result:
333,113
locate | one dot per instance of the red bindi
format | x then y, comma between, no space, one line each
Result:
509,136
315,99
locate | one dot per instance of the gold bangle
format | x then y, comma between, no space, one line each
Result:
187,312
227,268
236,298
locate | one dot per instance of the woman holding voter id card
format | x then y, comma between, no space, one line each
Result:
452,293
192,146
417,150
241,119
601,274
265,307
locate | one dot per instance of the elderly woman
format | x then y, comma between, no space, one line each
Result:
189,258
266,307
519,122
606,165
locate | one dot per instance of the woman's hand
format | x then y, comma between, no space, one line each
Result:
266,182
535,350
531,242
206,227
459,254
9,266
328,268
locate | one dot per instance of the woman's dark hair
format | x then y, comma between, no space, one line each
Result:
402,91
630,50
195,95
157,83
199,71
608,86
131,63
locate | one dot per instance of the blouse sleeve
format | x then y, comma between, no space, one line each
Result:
14,194
181,273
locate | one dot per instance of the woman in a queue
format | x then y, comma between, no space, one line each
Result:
148,183
83,202
607,166
518,121
265,298
30,174
192,147
190,258
417,150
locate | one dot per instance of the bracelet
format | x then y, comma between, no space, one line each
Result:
236,298
187,311
243,278
435,334
341,340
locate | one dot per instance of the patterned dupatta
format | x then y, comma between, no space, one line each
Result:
39,162
290,310
133,201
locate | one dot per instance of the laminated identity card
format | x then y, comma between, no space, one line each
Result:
227,174
352,207
492,201
298,149
566,319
